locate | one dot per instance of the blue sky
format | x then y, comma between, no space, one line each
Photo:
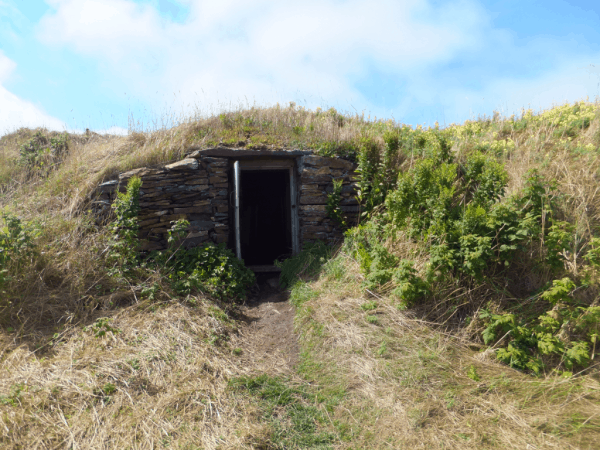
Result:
108,64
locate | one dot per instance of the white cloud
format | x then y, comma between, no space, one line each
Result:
16,112
232,50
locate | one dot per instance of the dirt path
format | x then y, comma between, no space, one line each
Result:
268,336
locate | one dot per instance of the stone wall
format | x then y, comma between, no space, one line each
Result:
194,189
316,183
197,189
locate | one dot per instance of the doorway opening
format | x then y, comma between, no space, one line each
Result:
265,216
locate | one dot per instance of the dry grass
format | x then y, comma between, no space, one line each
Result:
407,385
159,382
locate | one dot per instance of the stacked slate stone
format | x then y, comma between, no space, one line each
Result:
191,189
196,189
316,183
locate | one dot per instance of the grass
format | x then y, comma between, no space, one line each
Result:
406,383
296,413
92,362
153,383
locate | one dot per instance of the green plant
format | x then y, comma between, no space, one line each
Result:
559,292
369,306
306,263
531,346
210,268
123,246
333,204
102,326
290,410
372,320
16,245
409,286
558,241
301,292
472,373
40,154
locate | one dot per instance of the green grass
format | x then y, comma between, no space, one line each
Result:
296,413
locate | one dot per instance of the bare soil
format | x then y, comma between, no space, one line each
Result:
268,335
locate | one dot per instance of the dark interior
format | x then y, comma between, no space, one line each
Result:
265,216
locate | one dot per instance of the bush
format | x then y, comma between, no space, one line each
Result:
123,246
563,334
40,154
16,245
212,269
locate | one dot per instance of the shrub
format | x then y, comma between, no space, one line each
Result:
566,332
123,245
333,204
212,269
40,154
16,245
410,287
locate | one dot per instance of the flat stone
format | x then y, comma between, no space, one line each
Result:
312,208
141,172
109,186
201,203
202,225
146,195
313,200
193,210
338,163
145,223
153,214
215,180
172,217
215,161
197,181
197,234
308,178
166,182
314,229
184,164
221,185
199,188
155,204
315,161
159,230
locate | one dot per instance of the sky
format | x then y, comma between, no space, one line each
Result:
117,65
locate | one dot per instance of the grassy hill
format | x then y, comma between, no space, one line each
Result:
461,313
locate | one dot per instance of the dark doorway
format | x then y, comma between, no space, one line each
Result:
265,216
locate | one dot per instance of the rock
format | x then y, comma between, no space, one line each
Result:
197,181
312,208
197,234
193,210
313,200
185,164
109,186
141,172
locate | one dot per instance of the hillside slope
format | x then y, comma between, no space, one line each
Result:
461,313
